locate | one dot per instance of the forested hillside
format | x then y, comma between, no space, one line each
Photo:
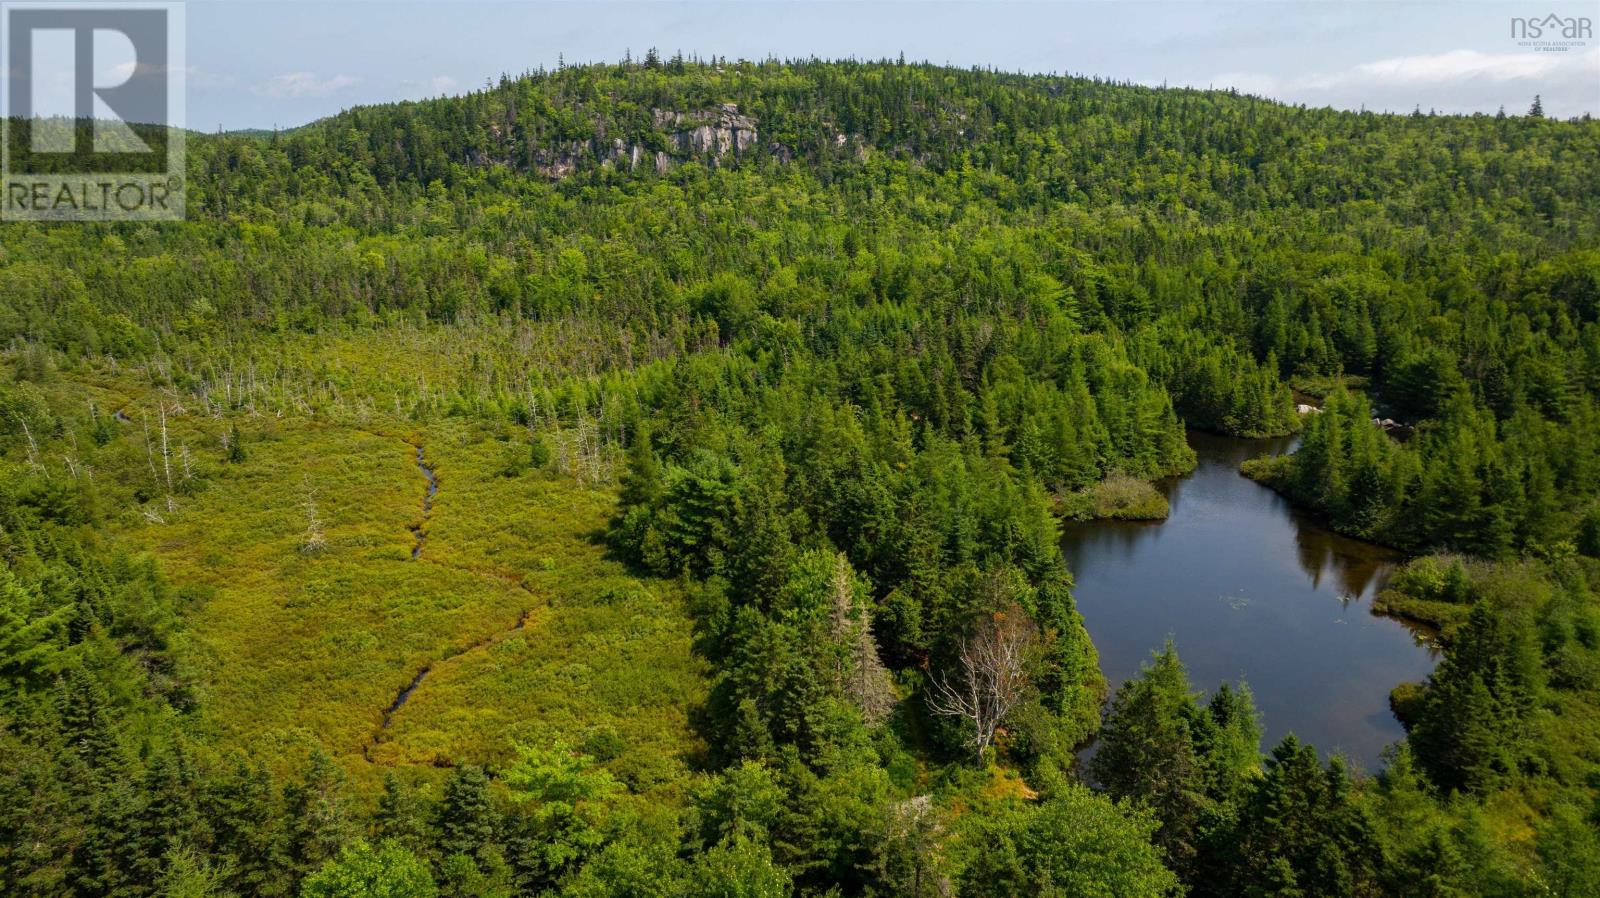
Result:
645,479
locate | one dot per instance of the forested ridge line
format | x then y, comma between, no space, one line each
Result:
828,345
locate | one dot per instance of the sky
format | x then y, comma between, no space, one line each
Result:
267,64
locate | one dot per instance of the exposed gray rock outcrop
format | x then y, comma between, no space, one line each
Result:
715,132
711,135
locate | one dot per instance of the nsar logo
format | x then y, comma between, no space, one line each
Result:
1552,32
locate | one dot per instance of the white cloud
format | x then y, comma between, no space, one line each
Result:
1259,83
205,78
1440,68
302,84
1452,81
113,76
436,86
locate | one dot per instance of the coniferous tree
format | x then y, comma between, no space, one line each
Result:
1471,730
248,827
317,815
1299,832
403,816
1147,752
467,819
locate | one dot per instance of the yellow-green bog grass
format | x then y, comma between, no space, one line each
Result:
525,628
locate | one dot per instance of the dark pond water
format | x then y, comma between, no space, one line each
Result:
1249,588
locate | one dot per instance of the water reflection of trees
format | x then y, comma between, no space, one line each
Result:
1118,540
1358,569
1357,566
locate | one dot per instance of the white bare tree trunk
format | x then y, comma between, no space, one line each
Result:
990,678
166,454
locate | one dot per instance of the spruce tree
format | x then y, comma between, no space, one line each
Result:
1471,730
318,816
247,821
467,818
403,816
1147,752
236,454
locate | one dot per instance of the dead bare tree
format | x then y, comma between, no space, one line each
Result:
314,541
990,676
858,670
149,453
33,447
166,454
914,848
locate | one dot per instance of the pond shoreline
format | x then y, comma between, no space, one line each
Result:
1253,588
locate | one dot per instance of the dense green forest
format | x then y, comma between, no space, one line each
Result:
646,479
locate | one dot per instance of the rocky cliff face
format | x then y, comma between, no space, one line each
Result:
715,132
710,135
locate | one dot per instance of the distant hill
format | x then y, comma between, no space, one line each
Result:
1071,139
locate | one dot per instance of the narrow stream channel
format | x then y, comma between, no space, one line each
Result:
1248,587
404,694
420,530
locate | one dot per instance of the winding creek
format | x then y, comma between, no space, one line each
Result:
419,531
402,696
1248,587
